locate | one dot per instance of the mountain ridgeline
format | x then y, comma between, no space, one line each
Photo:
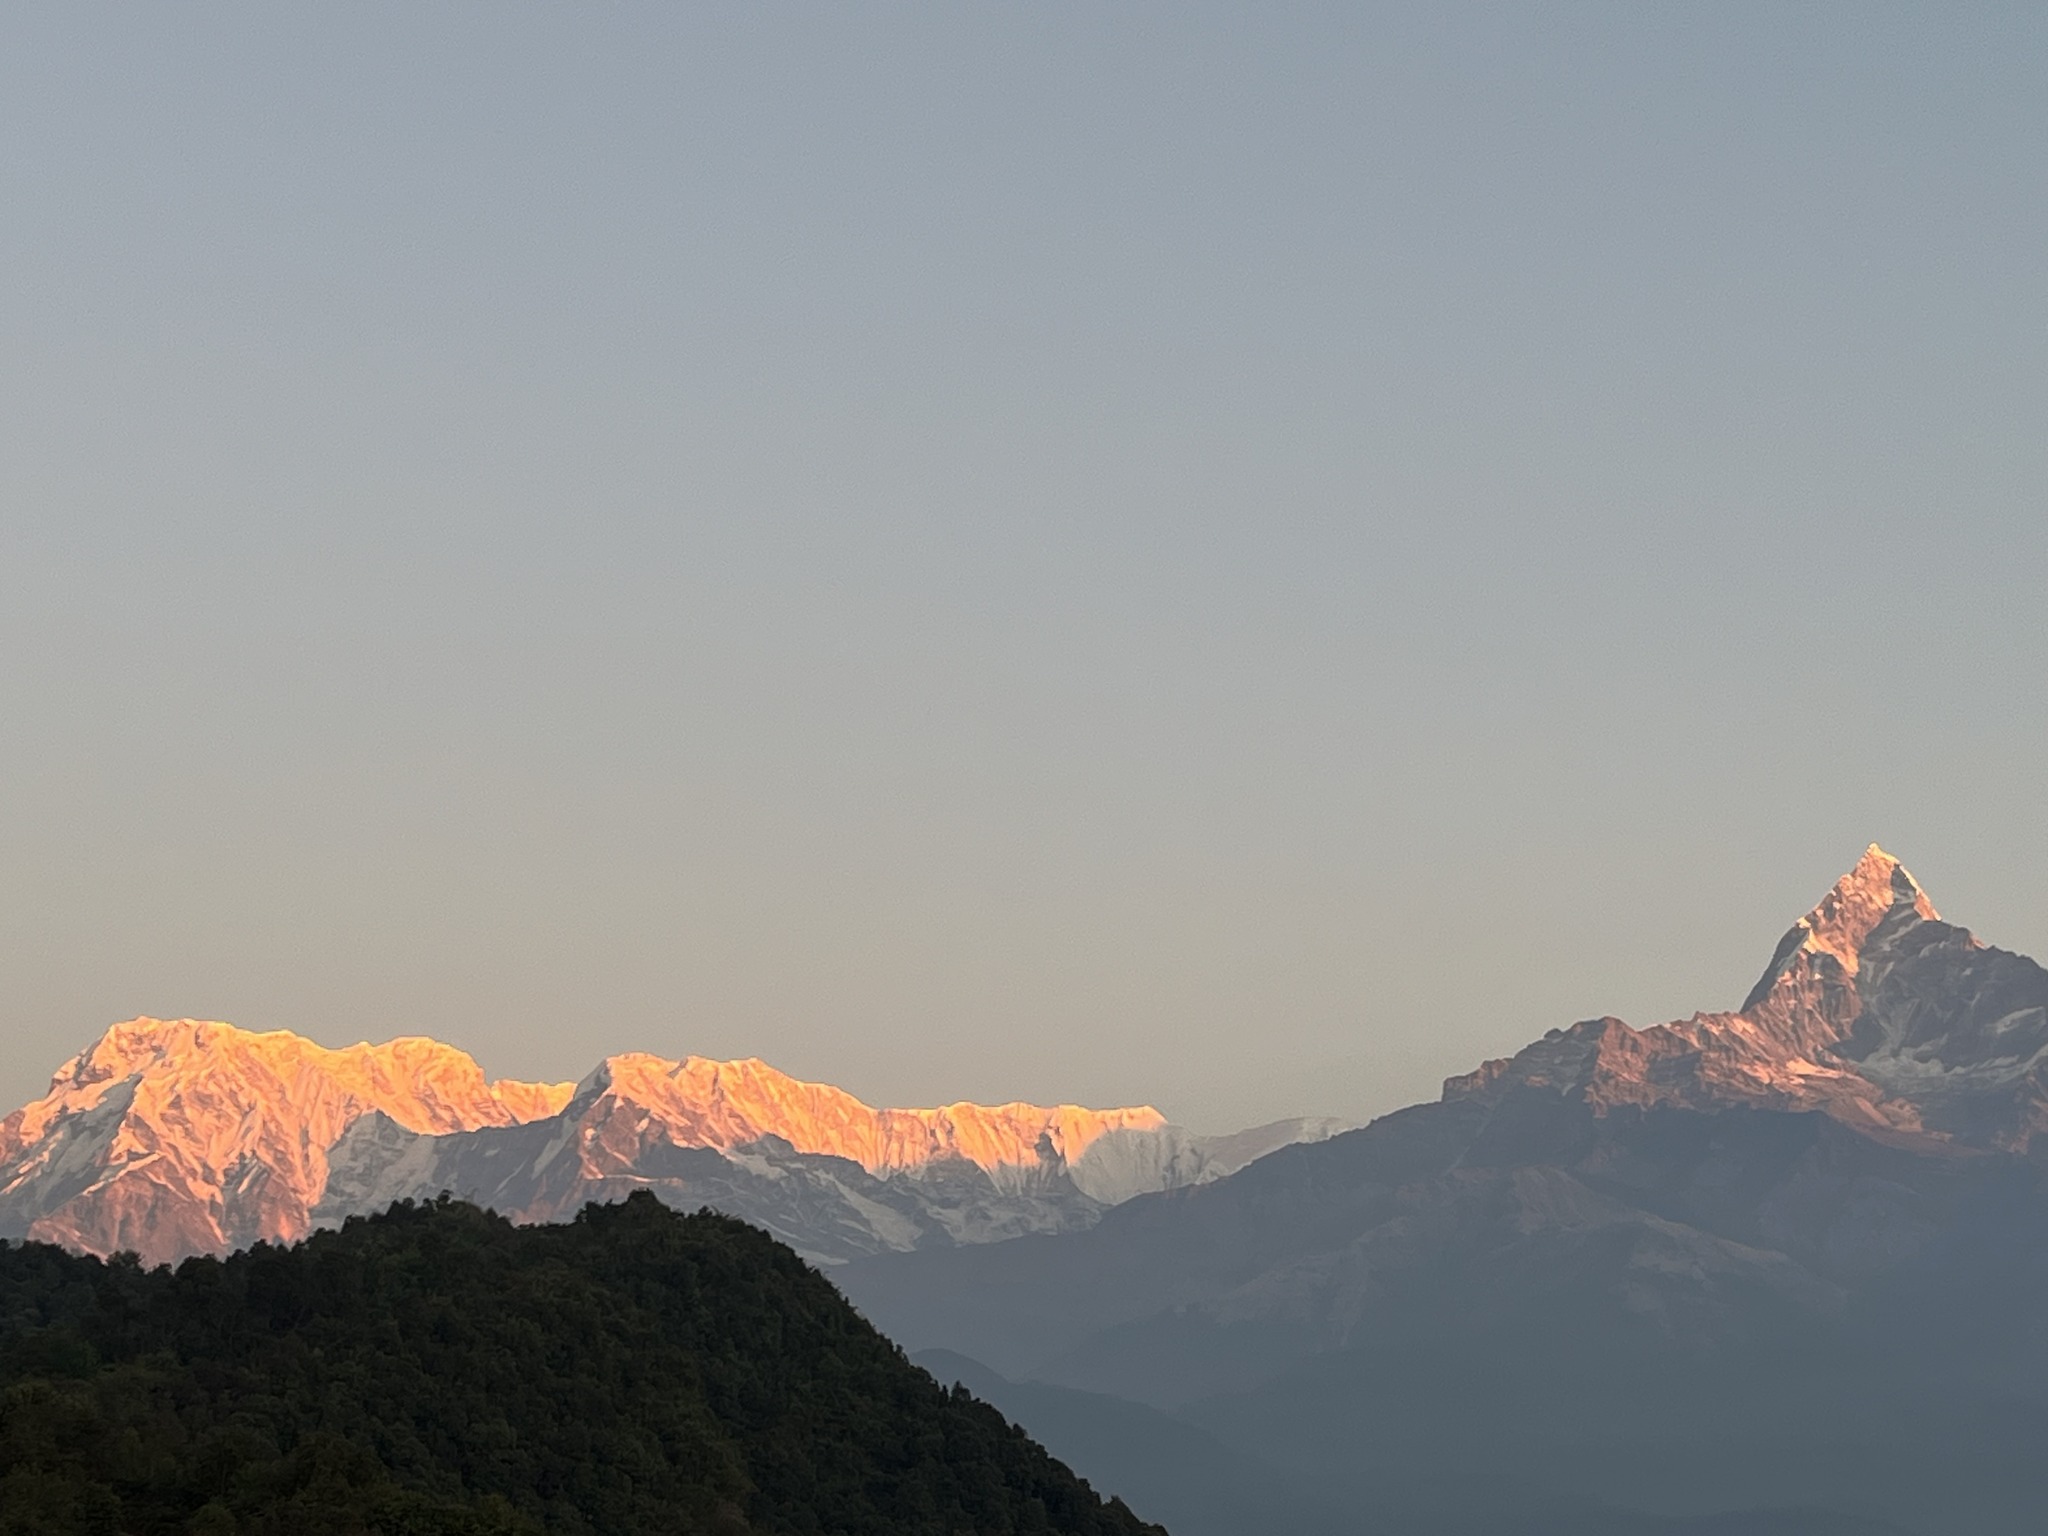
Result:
175,1137
437,1371
1781,1269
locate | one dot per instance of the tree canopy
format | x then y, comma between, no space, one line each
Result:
437,1371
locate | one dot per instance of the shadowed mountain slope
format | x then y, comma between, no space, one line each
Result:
1789,1257
1176,1472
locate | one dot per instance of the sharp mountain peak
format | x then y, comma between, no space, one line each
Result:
1873,1010
1844,919
181,1136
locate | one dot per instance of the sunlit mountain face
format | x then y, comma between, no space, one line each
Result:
170,1137
1791,1258
175,1137
1873,1011
1788,1261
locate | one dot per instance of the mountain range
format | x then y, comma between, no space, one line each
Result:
174,1137
1781,1268
1783,1263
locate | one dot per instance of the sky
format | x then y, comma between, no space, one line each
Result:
1245,558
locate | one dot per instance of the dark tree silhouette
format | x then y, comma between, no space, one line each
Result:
436,1371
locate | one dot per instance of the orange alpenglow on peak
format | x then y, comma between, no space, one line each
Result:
1873,1010
186,1135
422,1084
731,1104
1860,900
174,1137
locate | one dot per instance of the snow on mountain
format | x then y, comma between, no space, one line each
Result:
730,1104
831,1176
1872,1010
1768,1161
1120,1165
180,1137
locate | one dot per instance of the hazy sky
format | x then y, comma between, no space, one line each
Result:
1246,558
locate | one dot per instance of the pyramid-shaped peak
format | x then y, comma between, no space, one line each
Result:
1877,885
1860,900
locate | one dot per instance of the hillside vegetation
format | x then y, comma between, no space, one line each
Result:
436,1371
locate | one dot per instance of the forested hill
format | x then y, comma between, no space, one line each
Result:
436,1371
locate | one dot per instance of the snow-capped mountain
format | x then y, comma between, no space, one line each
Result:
170,1138
1872,1010
1784,1257
811,1163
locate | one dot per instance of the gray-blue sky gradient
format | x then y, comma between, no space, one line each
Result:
1242,557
